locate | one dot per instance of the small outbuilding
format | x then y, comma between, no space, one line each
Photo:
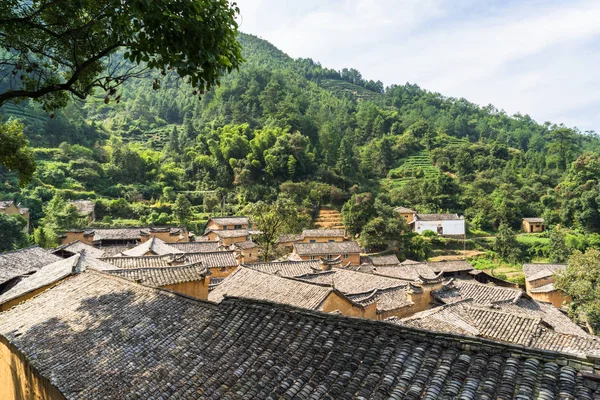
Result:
533,225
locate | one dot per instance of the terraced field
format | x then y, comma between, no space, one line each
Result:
22,112
341,87
416,166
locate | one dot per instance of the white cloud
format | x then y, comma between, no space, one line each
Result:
538,58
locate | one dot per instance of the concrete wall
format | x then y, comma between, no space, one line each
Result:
197,289
335,302
19,380
451,227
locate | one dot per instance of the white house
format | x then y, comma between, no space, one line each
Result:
442,224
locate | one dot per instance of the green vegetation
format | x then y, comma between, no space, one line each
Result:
581,281
290,129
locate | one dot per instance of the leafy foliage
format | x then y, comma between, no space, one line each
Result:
12,232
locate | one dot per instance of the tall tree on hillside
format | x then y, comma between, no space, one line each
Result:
59,47
563,143
12,232
358,211
182,210
14,155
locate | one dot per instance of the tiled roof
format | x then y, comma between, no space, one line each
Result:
163,276
99,337
450,266
323,232
252,284
25,261
334,248
229,233
540,271
547,288
534,220
409,262
197,247
128,233
229,220
114,250
513,327
217,259
384,260
52,273
410,272
458,290
78,247
287,238
404,210
352,282
551,315
287,268
437,217
153,245
386,299
245,245
84,207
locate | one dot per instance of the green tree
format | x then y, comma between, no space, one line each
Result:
182,209
559,251
506,244
60,216
12,232
379,233
275,219
563,143
58,48
14,154
358,211
581,281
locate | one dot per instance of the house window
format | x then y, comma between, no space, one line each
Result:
330,256
312,241
331,240
312,257
238,227
346,255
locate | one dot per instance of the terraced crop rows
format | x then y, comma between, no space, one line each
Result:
409,169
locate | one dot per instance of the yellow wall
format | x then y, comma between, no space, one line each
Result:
167,237
335,302
225,241
19,380
537,227
27,296
322,239
197,289
250,255
222,272
213,225
354,259
408,217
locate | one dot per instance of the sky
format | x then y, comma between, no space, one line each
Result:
536,57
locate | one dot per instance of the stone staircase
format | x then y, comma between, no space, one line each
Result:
329,218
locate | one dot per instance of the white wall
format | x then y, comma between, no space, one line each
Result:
450,227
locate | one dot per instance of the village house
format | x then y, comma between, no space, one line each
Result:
152,247
228,237
406,213
452,268
349,251
227,223
86,209
522,328
533,225
449,225
323,235
457,290
393,297
125,236
191,280
9,207
539,283
246,251
47,276
102,337
204,246
17,264
220,263
290,269
252,284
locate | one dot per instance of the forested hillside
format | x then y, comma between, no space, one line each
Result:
316,135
